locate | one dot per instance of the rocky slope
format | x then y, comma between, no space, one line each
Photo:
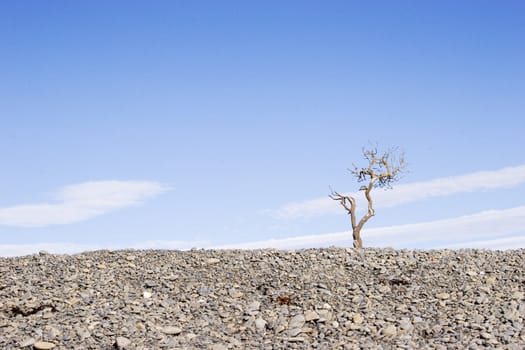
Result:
264,299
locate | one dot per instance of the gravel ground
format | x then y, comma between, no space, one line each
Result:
332,298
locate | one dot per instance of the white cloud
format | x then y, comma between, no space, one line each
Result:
465,231
406,193
494,229
81,202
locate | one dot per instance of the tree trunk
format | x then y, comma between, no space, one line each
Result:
358,243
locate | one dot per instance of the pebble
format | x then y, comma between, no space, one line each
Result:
329,298
43,345
358,318
213,261
260,324
297,321
122,343
389,330
219,347
27,342
311,315
253,308
443,296
171,330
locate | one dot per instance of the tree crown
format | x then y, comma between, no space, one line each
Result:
382,170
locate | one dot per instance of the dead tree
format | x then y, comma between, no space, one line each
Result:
382,171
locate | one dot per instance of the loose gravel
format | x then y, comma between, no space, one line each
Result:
333,298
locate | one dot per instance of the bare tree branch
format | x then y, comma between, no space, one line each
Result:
343,201
382,171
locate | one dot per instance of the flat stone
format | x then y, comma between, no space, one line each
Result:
295,339
486,335
292,332
310,315
234,293
443,296
219,347
389,330
43,345
27,342
297,321
213,261
171,330
253,308
324,315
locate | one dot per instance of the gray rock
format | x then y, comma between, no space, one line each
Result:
27,342
311,315
297,321
171,330
122,343
260,324
253,308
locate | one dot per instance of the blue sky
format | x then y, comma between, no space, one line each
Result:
179,124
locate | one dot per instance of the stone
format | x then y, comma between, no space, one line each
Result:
389,330
122,343
292,332
213,261
43,345
219,347
405,324
171,330
253,308
324,315
297,321
357,318
443,296
491,280
234,293
260,324
27,342
311,315
486,335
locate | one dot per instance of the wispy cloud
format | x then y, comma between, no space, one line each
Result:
406,193
476,230
494,229
80,202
